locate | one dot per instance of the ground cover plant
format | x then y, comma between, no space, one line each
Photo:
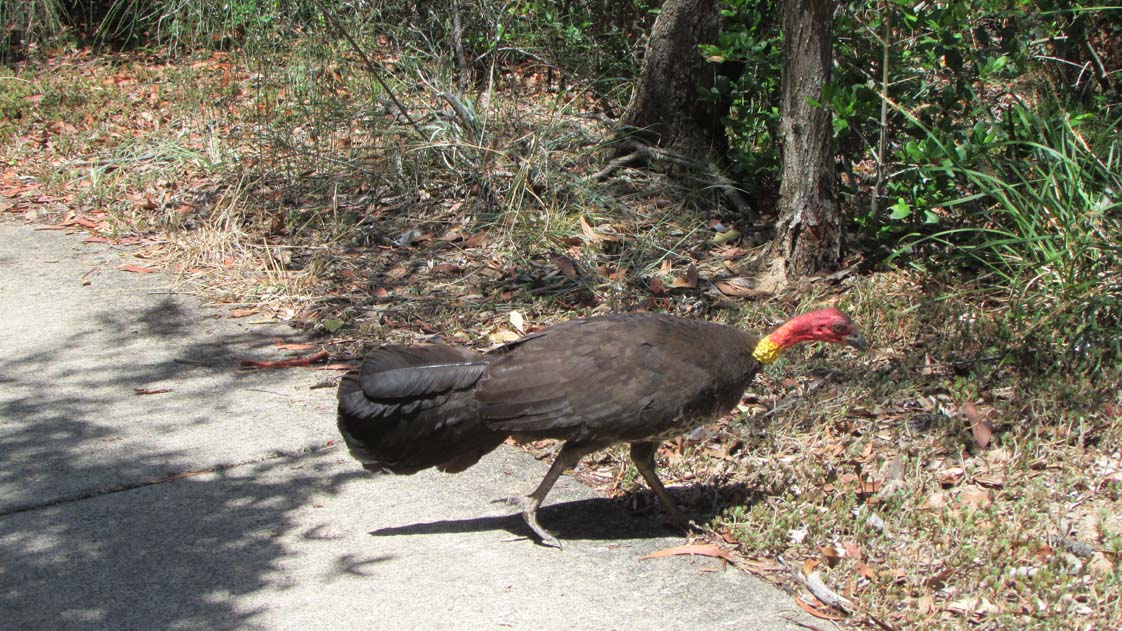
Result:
447,182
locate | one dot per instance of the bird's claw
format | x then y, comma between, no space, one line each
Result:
676,518
530,515
546,538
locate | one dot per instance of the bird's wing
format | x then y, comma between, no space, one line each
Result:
606,378
402,380
401,372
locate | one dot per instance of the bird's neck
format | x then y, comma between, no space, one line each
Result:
767,350
771,346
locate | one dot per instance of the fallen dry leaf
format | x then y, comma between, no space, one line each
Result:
867,487
455,233
137,269
151,390
762,566
938,579
831,554
241,313
938,501
1101,566
426,327
925,605
592,235
397,272
990,479
292,347
978,607
476,240
517,322
503,336
446,268
810,564
687,280
565,264
815,611
973,497
699,549
979,427
287,363
738,288
951,476
864,569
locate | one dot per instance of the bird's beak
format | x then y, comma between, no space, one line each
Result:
856,340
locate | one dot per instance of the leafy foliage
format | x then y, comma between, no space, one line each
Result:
973,136
749,56
1038,211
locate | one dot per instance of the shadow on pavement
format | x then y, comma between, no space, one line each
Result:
596,519
72,423
160,557
590,519
134,553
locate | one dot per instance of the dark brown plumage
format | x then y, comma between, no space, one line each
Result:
639,378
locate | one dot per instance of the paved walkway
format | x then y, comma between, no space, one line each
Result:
223,503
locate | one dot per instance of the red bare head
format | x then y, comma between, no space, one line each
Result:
823,325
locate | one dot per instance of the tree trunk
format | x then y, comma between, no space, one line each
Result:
665,109
809,232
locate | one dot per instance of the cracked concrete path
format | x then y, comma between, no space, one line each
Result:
223,503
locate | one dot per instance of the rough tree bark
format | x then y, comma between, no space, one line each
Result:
809,232
665,108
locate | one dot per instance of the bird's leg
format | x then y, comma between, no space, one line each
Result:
570,454
643,455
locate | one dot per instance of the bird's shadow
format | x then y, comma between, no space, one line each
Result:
595,519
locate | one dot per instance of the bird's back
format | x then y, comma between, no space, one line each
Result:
625,377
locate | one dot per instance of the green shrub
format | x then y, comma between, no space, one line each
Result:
1038,213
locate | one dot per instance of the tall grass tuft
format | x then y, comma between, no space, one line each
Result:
174,26
27,21
1039,212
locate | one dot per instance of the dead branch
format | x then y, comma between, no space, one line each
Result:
706,174
399,108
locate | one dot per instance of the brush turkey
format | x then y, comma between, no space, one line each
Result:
639,378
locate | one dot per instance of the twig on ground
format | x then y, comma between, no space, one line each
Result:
287,363
707,174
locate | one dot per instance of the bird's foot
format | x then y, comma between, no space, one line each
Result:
530,515
546,538
676,519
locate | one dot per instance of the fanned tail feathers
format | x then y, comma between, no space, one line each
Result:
411,408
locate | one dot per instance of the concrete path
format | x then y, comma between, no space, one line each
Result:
224,504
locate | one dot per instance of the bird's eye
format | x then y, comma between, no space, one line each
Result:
839,327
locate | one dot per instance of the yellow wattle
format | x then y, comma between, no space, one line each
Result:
766,350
